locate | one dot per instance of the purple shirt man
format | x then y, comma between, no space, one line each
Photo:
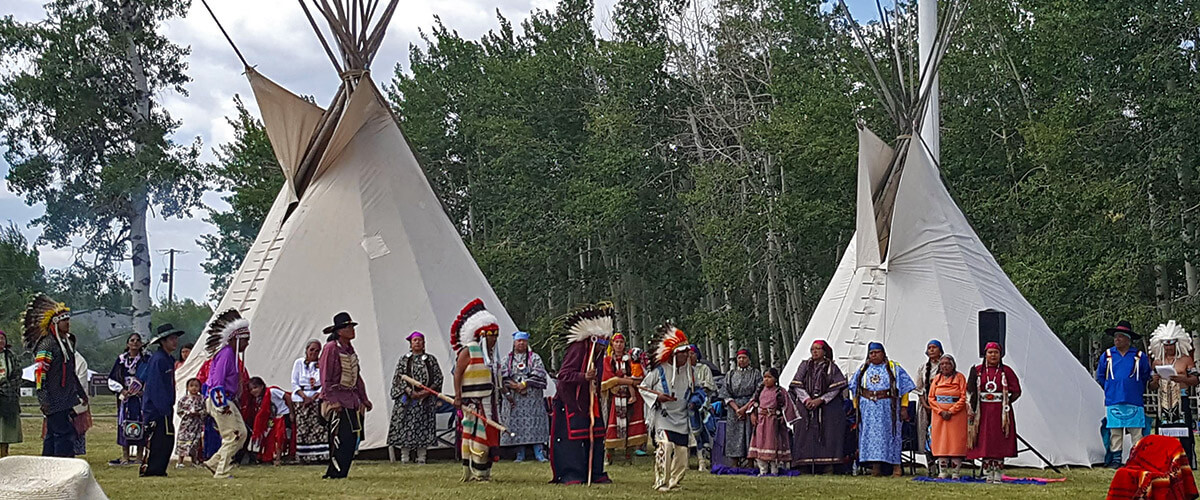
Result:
224,373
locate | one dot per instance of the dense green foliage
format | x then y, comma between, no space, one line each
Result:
698,164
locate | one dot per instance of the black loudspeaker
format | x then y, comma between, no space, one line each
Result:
991,328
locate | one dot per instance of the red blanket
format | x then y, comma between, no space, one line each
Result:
1157,470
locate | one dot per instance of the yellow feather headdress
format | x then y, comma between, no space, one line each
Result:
40,315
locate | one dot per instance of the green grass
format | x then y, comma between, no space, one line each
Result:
380,479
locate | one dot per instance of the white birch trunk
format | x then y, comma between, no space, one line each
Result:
139,198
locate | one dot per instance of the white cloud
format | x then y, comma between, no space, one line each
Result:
55,258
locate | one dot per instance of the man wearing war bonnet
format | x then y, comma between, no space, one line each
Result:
59,393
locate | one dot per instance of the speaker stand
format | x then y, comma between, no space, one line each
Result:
1029,447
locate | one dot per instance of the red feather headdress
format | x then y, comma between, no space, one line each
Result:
474,321
672,340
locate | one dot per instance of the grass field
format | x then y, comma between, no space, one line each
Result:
380,479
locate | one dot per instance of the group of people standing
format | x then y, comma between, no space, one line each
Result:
611,400
958,417
145,385
225,415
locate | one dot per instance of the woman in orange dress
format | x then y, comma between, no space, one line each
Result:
948,401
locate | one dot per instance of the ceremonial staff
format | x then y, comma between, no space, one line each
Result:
591,364
450,400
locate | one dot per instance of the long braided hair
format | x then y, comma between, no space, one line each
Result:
893,390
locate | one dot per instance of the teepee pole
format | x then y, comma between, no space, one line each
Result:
927,32
223,32
321,37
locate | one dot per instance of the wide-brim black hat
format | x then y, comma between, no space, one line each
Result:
164,330
1123,327
340,320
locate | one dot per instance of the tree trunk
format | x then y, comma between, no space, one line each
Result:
141,266
794,307
631,308
1161,283
139,198
1188,231
764,353
550,313
710,342
733,347
773,299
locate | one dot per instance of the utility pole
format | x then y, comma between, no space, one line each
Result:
169,276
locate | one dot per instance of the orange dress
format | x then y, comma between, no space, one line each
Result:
948,437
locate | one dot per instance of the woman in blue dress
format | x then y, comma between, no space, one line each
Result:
123,381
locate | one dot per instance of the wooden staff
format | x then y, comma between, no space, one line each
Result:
591,412
450,400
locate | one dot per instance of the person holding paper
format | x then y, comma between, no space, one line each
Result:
1123,371
1176,375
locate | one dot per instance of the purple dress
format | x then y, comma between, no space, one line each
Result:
819,435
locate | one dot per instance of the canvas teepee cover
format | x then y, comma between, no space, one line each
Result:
355,228
936,278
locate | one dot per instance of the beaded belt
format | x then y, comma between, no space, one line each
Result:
875,395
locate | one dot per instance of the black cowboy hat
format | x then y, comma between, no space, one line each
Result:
1125,328
164,330
340,320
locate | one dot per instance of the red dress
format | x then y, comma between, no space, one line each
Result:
626,412
996,428
268,433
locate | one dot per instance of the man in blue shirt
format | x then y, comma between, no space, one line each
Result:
1123,371
158,401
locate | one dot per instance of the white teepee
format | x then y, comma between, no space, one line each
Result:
355,228
935,279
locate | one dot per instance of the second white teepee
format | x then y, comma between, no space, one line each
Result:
936,278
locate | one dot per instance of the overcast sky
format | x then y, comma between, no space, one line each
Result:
275,37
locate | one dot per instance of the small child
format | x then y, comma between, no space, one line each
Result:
771,444
189,436
270,433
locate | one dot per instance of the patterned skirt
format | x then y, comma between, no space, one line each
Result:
526,417
312,436
189,436
413,425
129,410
